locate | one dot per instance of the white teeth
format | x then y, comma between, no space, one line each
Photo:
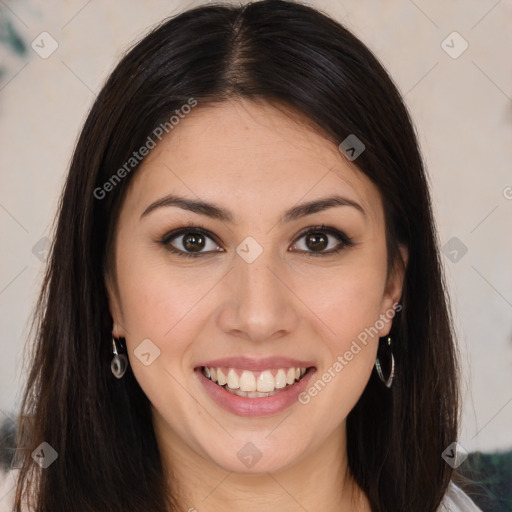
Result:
232,379
265,382
254,384
221,378
247,381
281,378
251,394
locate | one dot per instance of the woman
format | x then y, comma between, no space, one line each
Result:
244,305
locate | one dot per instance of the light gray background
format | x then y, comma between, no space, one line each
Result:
462,108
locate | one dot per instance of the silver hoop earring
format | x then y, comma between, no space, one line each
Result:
119,363
378,367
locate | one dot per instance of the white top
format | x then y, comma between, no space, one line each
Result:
455,500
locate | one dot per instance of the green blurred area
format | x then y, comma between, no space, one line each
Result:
489,480
9,37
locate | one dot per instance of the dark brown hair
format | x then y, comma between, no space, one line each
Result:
290,55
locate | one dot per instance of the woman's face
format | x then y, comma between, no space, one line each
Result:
256,297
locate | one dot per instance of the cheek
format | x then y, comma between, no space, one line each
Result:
347,307
348,311
158,303
348,302
155,294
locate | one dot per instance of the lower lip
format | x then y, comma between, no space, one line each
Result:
262,406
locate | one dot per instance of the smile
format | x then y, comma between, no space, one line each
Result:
251,384
255,387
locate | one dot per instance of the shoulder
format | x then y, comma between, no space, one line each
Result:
7,489
8,482
456,500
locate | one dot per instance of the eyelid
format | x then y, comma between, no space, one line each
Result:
192,228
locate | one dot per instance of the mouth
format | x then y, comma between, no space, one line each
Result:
255,392
251,384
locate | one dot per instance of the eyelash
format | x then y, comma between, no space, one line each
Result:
345,240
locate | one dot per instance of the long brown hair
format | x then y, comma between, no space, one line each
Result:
288,54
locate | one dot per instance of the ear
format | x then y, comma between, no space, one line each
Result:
114,305
393,290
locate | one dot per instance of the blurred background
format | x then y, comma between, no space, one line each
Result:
450,60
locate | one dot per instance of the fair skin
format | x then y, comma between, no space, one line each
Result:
255,161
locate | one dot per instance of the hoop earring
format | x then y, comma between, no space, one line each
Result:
119,363
387,382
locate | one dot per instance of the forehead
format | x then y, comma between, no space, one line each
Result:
249,155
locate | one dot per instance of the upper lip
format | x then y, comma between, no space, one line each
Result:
265,363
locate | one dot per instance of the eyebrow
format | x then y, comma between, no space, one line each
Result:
216,212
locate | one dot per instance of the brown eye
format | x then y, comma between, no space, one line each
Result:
192,242
318,239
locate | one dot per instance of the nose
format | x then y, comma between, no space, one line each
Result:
260,304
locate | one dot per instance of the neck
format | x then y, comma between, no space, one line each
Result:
319,480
